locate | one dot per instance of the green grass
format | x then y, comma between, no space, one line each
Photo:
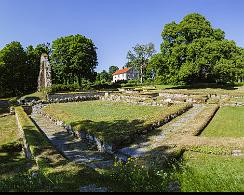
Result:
41,95
212,173
8,130
228,122
110,121
55,173
12,159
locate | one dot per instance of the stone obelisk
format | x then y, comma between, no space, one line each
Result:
44,80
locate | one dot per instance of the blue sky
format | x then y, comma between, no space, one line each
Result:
115,26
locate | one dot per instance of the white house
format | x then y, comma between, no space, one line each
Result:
125,74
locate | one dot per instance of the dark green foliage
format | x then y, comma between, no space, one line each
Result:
131,83
13,69
104,77
106,86
113,69
20,68
63,88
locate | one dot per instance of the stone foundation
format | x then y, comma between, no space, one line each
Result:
195,99
107,147
56,98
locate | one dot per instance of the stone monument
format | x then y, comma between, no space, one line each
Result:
44,80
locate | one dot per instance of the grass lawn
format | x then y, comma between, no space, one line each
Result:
110,121
8,129
228,122
212,173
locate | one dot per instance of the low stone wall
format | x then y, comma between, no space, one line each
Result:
167,99
64,98
133,100
55,98
196,99
237,104
26,147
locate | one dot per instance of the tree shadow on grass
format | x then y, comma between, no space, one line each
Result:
12,163
120,133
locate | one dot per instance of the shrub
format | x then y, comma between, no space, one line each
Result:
63,88
106,86
138,178
131,83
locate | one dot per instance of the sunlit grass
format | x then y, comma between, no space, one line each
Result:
212,173
228,122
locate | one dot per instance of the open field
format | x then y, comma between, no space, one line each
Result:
212,173
228,122
110,121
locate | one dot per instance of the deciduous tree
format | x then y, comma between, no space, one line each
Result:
193,51
139,57
73,58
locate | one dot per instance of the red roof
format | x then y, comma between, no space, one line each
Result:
121,71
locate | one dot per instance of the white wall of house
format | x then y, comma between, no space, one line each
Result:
129,75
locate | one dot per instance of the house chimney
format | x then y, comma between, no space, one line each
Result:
123,67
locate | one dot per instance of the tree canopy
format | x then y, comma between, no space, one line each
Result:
193,51
73,58
113,69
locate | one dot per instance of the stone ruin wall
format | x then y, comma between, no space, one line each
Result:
45,78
